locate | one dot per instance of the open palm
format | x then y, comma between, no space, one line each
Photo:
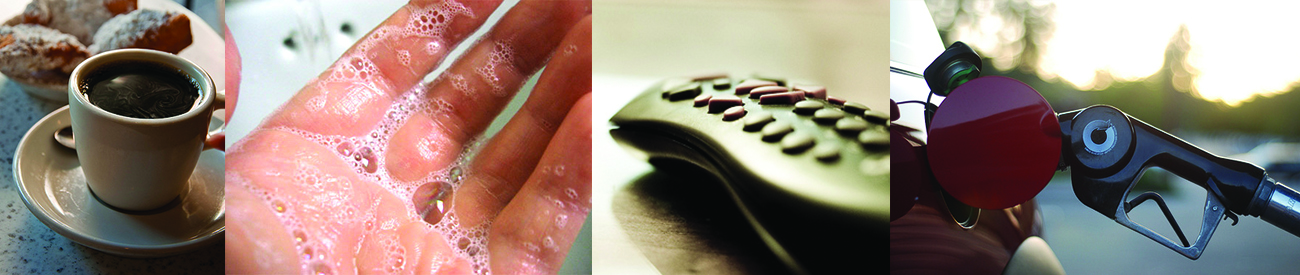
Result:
363,170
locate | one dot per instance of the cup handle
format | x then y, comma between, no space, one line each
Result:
218,103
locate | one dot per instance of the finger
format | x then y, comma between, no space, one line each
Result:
232,74
313,194
492,182
296,201
475,88
361,84
217,141
394,242
534,232
254,247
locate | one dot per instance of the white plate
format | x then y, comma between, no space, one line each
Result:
52,185
207,50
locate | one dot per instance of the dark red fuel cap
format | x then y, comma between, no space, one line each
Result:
994,143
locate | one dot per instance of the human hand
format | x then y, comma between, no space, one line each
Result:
218,140
342,178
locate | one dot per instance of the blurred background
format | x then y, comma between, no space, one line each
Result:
652,222
286,43
1222,76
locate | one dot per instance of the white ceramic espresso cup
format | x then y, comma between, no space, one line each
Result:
139,163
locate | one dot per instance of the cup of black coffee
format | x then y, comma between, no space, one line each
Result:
140,118
141,89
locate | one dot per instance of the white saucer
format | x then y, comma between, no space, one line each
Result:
53,187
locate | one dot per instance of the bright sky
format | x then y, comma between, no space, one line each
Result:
1241,48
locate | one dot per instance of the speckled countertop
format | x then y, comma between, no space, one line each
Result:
28,246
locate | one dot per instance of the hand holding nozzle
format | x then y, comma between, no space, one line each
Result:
986,149
1109,150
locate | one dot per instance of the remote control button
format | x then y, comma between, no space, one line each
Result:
775,130
827,116
750,84
708,76
733,113
826,152
780,81
817,92
874,137
760,91
702,100
673,84
855,108
850,126
721,83
781,98
875,117
797,142
756,121
807,107
720,103
687,91
835,100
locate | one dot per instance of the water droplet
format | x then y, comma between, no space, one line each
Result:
454,174
345,148
299,236
573,194
370,165
398,264
559,170
320,268
431,200
278,205
472,251
367,159
357,62
463,243
306,253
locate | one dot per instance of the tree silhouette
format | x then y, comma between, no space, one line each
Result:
1026,26
1167,99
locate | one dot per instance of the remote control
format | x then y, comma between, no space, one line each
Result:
809,171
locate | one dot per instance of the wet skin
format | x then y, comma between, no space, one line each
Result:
328,182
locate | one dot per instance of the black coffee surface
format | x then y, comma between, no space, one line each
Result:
141,90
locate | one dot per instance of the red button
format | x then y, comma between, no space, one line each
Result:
720,103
